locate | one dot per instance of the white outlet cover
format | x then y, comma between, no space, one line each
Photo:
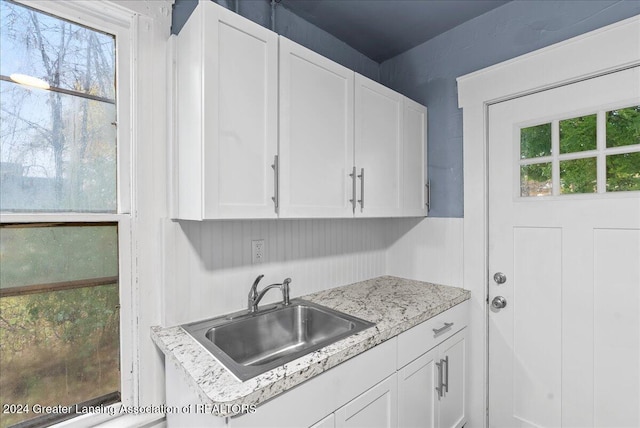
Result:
257,251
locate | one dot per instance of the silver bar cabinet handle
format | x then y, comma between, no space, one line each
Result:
437,331
276,182
428,188
361,200
439,387
446,374
353,188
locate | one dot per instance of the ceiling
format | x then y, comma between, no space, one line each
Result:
382,29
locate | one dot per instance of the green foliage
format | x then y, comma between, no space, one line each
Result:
535,141
578,134
578,176
623,127
623,172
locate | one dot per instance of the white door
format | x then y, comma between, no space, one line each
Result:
316,134
564,232
378,149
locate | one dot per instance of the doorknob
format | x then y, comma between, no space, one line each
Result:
499,302
500,278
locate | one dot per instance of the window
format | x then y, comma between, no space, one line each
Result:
60,246
595,153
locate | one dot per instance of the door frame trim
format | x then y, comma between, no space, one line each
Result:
556,65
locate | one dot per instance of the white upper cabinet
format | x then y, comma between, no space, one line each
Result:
414,159
316,134
267,128
378,149
227,80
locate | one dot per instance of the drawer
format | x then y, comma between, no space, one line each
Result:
419,339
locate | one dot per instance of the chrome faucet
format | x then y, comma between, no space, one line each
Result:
255,296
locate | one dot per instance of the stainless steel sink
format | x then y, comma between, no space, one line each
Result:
251,344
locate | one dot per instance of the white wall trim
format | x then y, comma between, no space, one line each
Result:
573,60
588,55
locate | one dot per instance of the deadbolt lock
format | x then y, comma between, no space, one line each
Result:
500,278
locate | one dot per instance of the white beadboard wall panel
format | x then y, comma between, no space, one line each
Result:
429,249
209,269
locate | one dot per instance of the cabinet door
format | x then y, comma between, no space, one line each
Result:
452,404
376,408
227,116
316,134
417,396
328,422
414,159
378,148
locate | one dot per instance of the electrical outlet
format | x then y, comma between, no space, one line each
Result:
257,251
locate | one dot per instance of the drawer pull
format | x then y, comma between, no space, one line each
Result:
437,331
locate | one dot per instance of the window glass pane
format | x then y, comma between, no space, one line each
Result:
535,180
59,300
578,176
535,141
59,348
578,134
623,127
61,53
57,152
623,172
41,255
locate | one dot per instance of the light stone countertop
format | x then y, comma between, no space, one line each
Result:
394,304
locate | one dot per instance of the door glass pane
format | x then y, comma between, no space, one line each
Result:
623,172
578,176
535,141
57,153
535,180
77,58
623,127
578,134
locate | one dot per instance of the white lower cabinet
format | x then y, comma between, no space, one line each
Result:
417,396
328,422
416,379
376,408
431,388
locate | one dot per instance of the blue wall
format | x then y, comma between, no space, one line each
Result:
290,26
427,72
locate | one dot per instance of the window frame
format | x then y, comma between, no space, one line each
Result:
121,23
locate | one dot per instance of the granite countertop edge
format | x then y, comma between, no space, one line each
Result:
413,302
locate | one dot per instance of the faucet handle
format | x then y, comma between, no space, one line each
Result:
254,288
255,283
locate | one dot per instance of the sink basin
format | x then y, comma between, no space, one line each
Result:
251,344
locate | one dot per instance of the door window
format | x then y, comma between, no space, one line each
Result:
593,153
